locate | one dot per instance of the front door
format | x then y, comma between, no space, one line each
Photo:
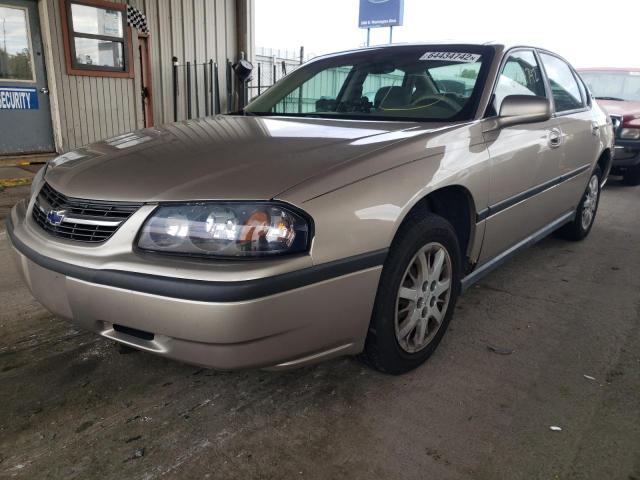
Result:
25,115
524,160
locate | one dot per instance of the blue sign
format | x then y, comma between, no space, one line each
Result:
18,98
381,13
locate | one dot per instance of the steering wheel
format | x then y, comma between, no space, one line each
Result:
429,100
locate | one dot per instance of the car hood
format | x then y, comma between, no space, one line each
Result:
226,157
628,110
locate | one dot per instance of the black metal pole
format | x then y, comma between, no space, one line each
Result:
301,55
195,71
229,86
205,67
189,90
175,88
259,79
275,71
211,99
217,86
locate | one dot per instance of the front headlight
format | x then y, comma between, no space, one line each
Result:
226,229
630,133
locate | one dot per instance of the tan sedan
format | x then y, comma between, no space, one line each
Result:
342,212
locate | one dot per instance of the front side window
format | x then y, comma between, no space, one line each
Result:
412,83
564,86
97,37
16,56
614,84
521,75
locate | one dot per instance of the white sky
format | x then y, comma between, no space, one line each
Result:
587,33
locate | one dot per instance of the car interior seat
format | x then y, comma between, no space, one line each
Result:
392,97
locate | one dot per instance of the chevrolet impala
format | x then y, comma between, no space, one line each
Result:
342,212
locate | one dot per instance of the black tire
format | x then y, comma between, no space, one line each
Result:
382,349
632,176
575,230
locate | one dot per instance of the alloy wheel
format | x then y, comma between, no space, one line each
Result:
423,297
590,202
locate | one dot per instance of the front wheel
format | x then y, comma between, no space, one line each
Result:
580,227
416,296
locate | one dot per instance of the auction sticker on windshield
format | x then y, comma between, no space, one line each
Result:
451,57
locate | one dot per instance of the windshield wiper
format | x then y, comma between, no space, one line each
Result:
611,98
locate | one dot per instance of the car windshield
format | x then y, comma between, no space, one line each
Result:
614,85
409,83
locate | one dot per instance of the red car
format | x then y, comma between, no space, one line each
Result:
618,92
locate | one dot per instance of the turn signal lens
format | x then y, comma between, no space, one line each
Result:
226,230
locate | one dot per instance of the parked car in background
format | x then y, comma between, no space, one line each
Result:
319,221
618,92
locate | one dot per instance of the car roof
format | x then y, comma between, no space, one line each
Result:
608,69
498,46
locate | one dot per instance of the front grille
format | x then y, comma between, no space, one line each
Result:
77,219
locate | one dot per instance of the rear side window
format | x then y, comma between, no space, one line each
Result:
564,86
520,75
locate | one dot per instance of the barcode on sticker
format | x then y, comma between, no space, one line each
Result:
451,57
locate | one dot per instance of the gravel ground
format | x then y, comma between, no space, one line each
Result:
551,339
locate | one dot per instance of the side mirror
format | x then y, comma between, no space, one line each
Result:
520,109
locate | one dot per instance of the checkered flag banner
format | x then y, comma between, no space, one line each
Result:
137,19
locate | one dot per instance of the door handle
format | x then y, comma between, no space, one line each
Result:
555,138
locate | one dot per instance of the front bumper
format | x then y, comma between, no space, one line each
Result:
282,321
627,153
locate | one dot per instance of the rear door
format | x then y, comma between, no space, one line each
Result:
25,116
580,135
524,159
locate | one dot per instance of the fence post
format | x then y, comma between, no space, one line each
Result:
174,60
301,55
217,87
229,87
205,68
195,71
189,90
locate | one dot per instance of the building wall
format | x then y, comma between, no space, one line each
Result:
87,109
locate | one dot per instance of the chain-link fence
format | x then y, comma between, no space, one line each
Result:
271,64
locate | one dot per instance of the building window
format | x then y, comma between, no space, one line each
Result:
97,40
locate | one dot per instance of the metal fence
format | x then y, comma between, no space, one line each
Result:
271,65
196,89
201,89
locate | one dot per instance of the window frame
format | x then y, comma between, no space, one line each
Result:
69,36
585,102
503,62
34,73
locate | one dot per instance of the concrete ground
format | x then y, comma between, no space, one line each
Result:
563,320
